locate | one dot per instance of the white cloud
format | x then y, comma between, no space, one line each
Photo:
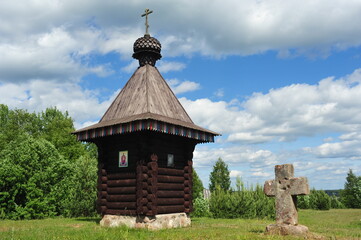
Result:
219,93
131,67
287,113
36,95
235,173
234,155
182,87
54,44
165,66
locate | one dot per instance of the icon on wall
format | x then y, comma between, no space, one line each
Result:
123,159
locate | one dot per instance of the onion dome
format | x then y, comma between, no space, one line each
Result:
147,50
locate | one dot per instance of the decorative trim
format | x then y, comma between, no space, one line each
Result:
144,125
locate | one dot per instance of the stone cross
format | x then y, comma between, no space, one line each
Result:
146,13
285,188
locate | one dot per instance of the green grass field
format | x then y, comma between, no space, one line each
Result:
332,224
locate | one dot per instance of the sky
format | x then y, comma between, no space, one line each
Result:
280,80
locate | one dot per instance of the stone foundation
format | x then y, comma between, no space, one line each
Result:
285,229
160,221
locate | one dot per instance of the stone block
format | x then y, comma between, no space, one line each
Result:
286,229
157,222
284,171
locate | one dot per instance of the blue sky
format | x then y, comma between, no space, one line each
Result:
281,80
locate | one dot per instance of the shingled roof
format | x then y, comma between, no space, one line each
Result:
146,103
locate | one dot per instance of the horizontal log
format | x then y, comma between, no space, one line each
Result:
121,205
187,169
120,190
115,176
142,177
142,201
101,202
141,193
142,169
103,178
170,179
170,209
152,189
121,183
102,194
170,201
121,198
103,209
188,197
187,176
187,204
170,194
152,166
187,183
187,190
152,212
102,187
170,171
120,212
170,186
103,172
151,197
142,210
188,210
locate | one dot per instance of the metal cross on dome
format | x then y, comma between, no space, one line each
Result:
147,12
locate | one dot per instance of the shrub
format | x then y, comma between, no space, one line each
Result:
243,203
319,200
31,172
201,207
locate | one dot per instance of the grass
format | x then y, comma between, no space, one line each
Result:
332,224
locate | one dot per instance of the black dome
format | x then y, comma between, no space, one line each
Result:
147,50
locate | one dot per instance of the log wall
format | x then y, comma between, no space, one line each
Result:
147,186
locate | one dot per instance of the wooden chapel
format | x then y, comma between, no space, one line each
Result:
145,144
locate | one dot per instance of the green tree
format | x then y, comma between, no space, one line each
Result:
197,186
82,195
220,176
57,128
31,171
44,171
319,200
351,195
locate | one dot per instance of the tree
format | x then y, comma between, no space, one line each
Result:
57,128
31,172
219,177
197,186
351,195
44,171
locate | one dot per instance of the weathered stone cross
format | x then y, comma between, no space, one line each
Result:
147,12
285,188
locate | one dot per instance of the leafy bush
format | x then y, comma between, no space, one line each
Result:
82,189
336,203
243,203
31,171
201,207
319,200
44,171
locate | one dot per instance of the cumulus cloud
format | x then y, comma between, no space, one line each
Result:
165,66
53,40
235,173
287,113
36,95
182,87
